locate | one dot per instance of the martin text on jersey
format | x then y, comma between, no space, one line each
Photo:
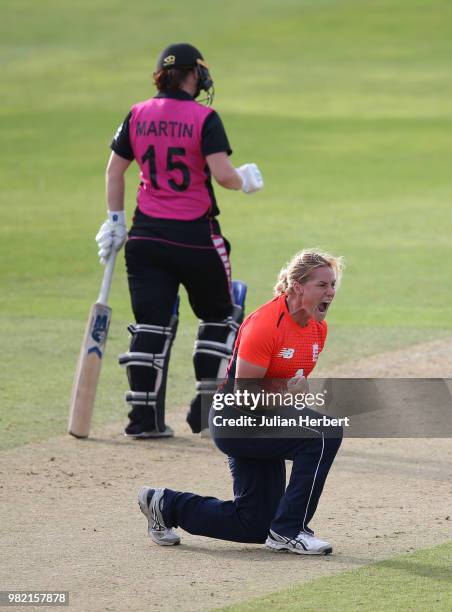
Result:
173,129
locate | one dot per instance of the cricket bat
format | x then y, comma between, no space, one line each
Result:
90,359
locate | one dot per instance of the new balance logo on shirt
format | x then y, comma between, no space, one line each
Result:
288,353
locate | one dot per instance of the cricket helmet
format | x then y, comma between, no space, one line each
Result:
183,55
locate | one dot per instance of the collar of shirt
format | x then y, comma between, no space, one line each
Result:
179,94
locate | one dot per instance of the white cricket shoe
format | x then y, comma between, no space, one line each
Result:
157,530
303,544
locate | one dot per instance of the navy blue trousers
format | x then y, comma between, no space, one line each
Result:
261,499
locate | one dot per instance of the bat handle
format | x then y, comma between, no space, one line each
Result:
106,281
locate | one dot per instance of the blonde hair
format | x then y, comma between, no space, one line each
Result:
302,265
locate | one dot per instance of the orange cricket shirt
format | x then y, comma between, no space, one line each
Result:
270,338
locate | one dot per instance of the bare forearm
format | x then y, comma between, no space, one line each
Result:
115,191
230,180
115,181
223,171
247,177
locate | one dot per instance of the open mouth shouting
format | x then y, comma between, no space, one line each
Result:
323,307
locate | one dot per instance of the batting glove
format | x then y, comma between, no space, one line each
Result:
111,235
251,178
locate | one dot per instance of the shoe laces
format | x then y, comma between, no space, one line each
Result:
157,519
305,535
301,538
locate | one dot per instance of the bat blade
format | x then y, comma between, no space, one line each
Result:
88,370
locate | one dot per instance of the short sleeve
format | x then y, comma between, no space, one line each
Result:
121,140
256,343
213,136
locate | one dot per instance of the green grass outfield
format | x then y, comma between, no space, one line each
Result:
344,104
421,581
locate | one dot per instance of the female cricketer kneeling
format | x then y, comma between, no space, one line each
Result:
280,340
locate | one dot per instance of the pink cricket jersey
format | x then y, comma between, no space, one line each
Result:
165,135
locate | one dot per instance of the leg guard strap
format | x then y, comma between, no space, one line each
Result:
212,352
147,365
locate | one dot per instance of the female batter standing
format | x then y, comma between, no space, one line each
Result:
280,340
175,238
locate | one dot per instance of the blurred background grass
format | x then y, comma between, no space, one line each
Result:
345,106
